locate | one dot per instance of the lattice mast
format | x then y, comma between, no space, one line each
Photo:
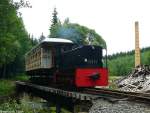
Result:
137,48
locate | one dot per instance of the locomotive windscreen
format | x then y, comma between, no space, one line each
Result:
82,56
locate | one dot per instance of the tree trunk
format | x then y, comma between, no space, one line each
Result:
4,71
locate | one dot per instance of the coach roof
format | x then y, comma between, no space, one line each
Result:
51,40
57,40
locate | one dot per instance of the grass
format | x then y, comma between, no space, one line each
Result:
35,100
112,84
28,105
6,87
21,77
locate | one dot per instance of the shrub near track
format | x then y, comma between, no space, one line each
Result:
6,87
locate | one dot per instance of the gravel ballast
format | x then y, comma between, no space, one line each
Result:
104,106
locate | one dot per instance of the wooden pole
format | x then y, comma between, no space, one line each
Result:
137,48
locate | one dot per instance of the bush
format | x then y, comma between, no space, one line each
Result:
7,87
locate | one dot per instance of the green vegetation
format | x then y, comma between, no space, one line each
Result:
28,105
112,84
13,106
75,32
21,77
121,64
14,39
6,87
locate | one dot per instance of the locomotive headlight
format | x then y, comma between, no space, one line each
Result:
85,60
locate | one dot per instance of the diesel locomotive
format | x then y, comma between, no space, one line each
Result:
60,62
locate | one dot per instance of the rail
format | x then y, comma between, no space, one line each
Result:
90,93
119,95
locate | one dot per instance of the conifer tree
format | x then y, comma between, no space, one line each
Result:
42,37
54,23
55,19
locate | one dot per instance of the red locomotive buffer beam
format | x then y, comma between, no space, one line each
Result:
88,77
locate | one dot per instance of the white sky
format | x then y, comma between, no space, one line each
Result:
112,19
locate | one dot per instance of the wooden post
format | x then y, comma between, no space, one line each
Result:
137,48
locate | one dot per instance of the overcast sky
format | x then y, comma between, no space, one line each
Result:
112,19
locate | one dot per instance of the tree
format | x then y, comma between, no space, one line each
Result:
55,19
14,39
54,24
76,33
42,37
146,58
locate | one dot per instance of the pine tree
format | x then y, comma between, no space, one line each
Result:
54,23
42,37
55,19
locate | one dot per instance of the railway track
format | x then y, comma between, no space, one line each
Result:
115,95
87,93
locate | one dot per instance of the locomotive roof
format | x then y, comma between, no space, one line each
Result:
52,41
